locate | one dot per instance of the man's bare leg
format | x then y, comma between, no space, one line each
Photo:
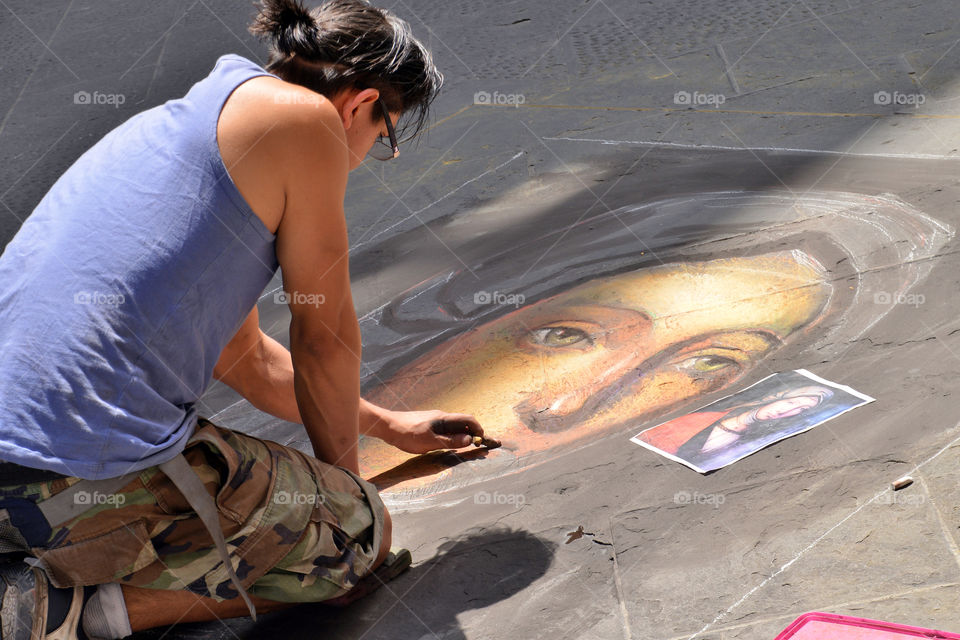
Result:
149,608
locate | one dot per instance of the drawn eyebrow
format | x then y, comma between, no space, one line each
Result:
575,310
723,348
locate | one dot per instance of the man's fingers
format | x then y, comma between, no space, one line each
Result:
457,442
457,423
473,427
457,430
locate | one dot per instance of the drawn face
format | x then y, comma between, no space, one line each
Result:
792,402
610,352
787,408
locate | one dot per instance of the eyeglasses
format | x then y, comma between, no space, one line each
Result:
383,149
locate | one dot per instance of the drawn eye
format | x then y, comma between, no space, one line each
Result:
707,364
559,336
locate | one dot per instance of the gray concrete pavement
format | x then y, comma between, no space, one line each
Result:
793,96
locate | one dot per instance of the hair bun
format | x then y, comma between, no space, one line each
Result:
286,22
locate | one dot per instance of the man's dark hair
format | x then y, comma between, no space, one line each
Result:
345,44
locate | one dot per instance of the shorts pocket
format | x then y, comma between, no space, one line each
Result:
352,509
236,471
106,557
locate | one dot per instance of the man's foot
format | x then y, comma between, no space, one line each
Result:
396,562
29,605
64,613
23,601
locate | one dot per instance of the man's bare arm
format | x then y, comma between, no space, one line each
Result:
261,370
305,149
313,253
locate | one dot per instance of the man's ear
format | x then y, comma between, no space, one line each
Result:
351,106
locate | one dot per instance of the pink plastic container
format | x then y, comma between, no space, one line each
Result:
830,626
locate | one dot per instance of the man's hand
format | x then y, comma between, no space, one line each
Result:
423,431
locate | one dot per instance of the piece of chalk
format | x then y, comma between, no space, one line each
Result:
484,441
901,483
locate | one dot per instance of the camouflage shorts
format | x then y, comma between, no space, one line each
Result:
298,530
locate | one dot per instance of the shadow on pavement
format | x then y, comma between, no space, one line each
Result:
472,571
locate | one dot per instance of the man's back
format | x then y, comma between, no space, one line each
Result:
122,288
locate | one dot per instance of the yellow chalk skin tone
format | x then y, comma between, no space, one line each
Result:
610,352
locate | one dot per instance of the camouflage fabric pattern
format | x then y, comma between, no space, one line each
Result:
298,530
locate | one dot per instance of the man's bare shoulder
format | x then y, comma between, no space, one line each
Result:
282,108
277,139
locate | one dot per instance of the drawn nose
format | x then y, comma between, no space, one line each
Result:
556,410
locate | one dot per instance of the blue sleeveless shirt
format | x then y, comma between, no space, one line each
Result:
120,290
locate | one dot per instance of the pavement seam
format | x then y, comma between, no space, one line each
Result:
624,616
943,524
718,147
803,551
363,242
749,112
